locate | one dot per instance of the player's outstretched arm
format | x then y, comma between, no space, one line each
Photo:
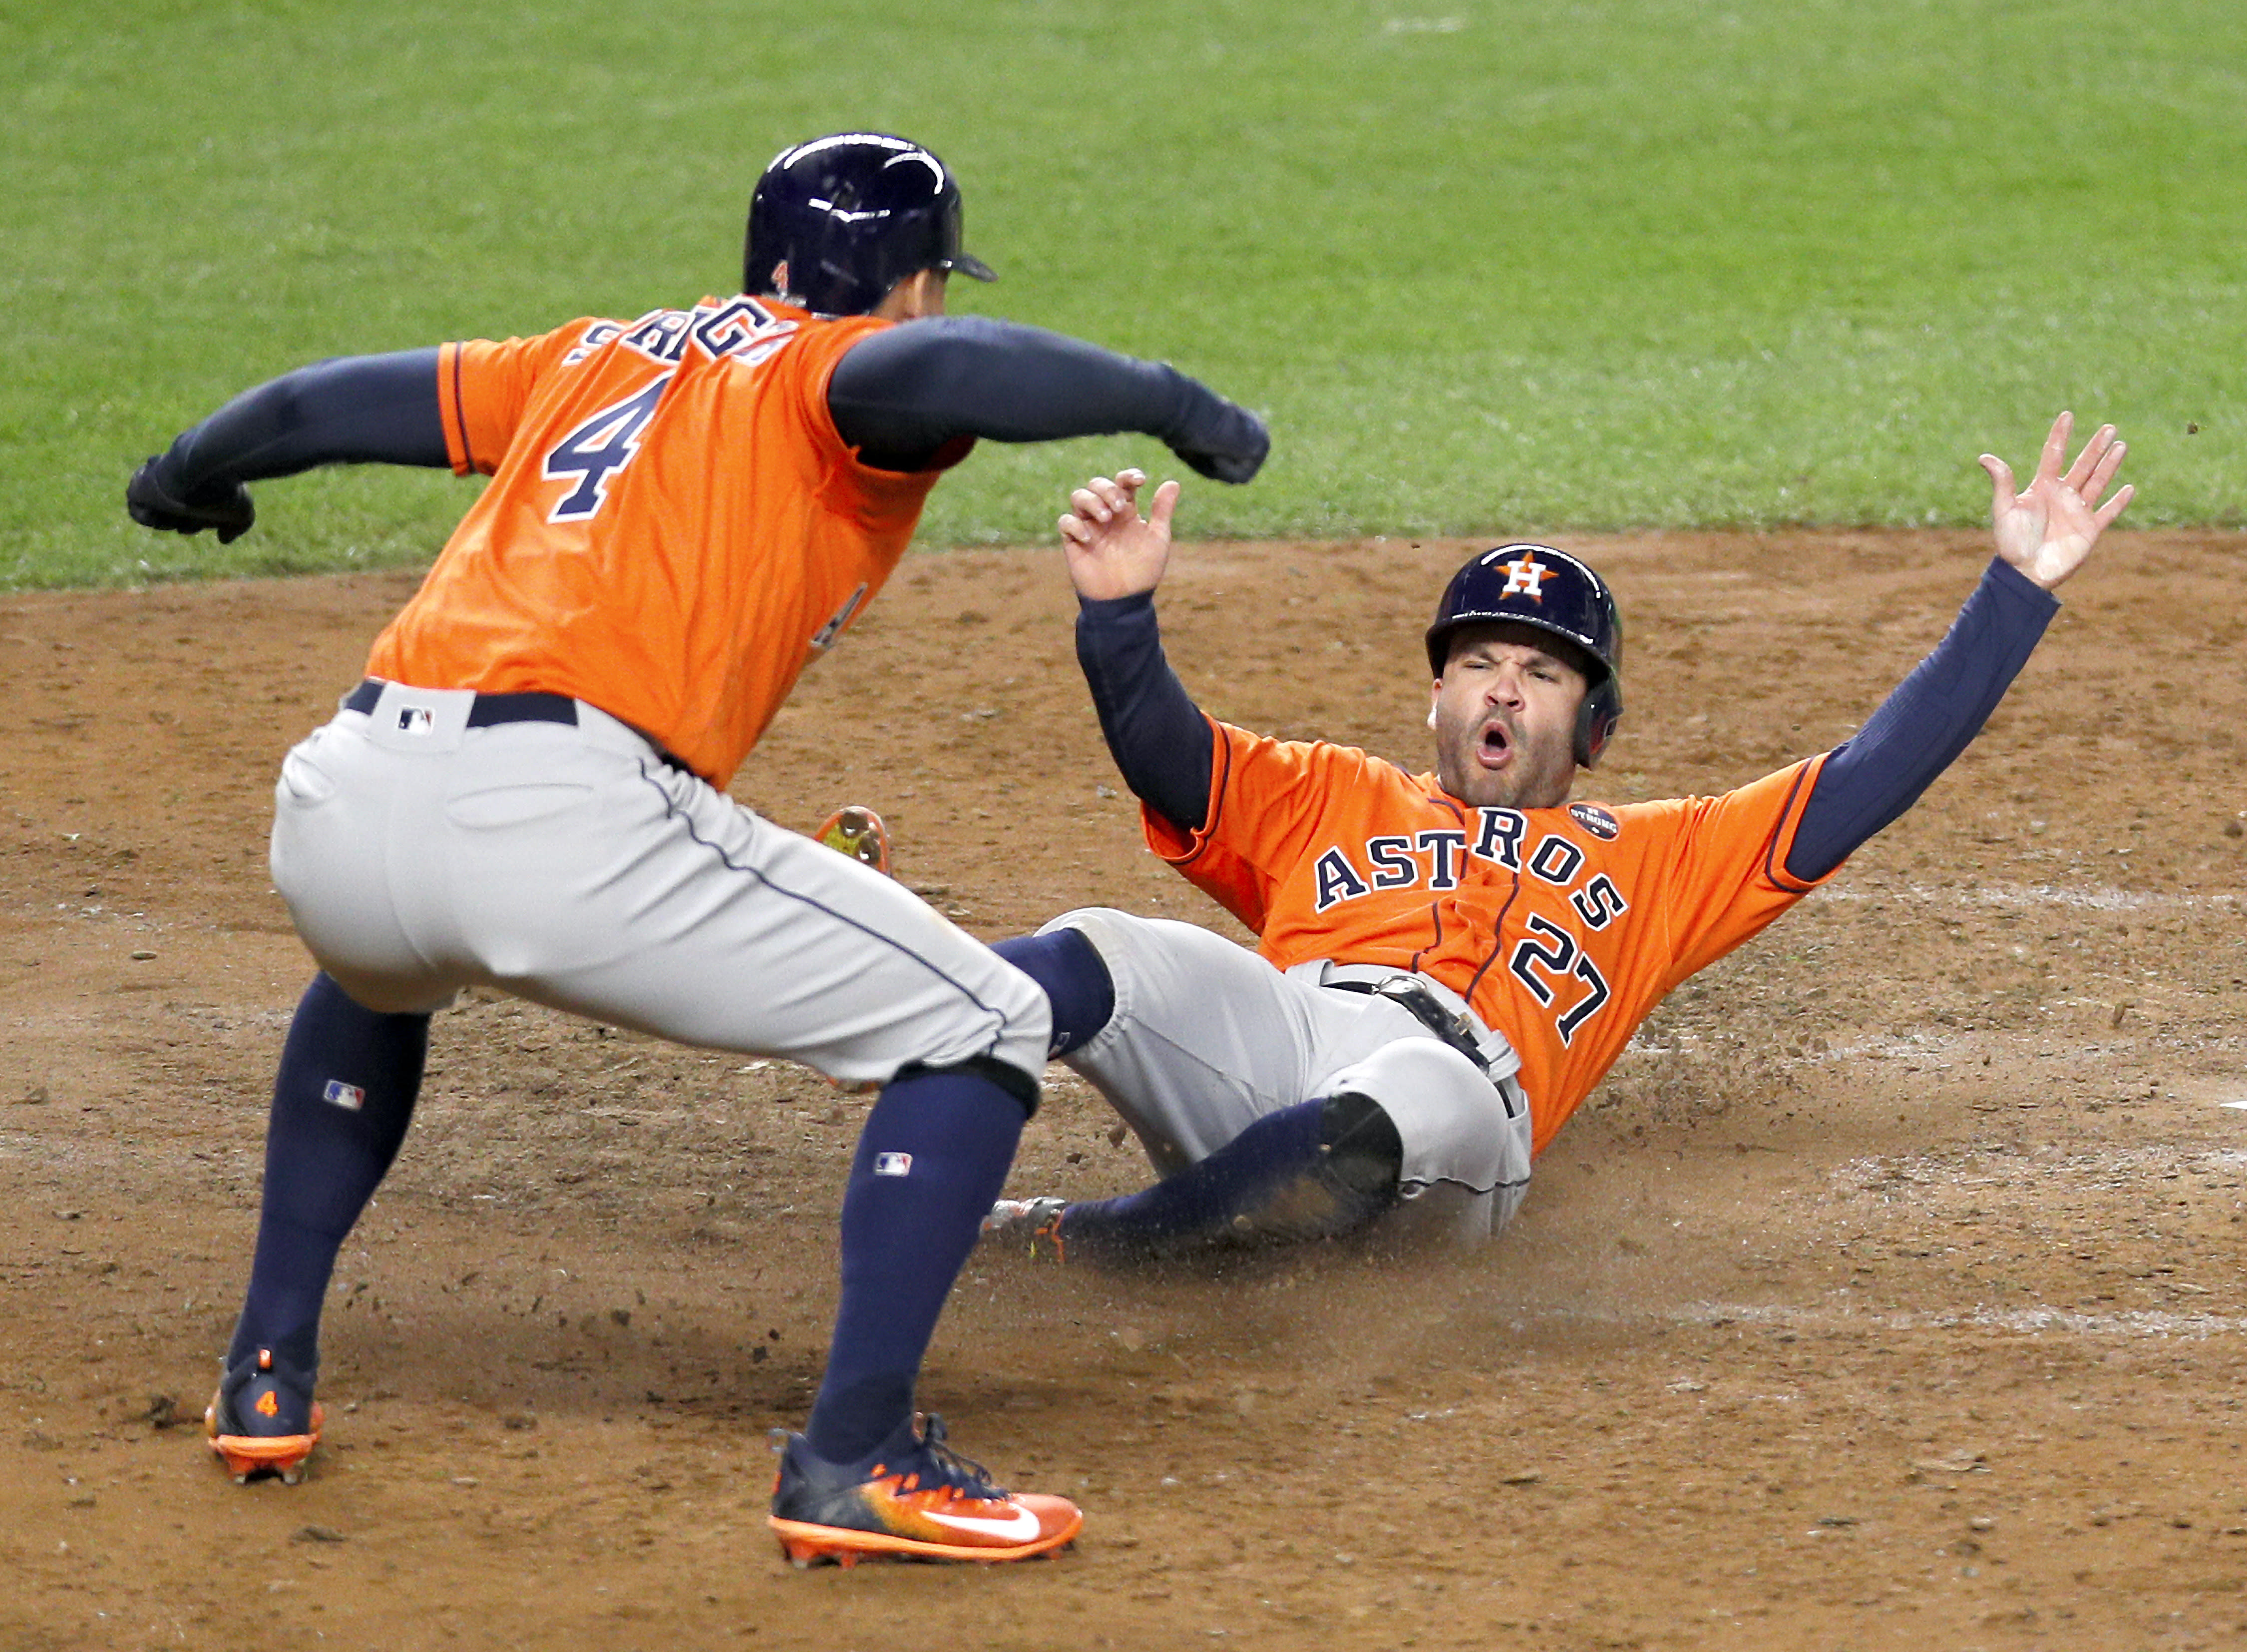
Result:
355,410
1113,550
899,395
1158,737
2048,528
2042,533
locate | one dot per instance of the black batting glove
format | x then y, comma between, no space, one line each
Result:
1227,443
224,507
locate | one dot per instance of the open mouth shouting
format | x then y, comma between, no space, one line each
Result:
1495,748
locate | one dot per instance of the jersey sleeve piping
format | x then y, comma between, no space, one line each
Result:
1181,850
451,410
1782,839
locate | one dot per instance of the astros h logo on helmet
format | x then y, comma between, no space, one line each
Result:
1524,574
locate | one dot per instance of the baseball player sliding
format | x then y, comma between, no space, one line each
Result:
527,790
1446,962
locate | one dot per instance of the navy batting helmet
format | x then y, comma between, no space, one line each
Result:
1537,586
851,216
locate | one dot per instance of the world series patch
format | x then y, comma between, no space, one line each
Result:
1595,820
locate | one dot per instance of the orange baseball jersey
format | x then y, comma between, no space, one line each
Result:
674,528
1562,927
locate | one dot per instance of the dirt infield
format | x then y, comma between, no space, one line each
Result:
1888,1294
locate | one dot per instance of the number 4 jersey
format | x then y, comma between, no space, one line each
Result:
1562,926
674,528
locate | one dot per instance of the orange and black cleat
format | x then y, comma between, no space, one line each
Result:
914,1499
859,833
1029,1224
264,1420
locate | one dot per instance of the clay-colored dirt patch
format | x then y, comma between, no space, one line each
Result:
1889,1294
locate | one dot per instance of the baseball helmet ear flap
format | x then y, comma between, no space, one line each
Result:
1531,585
1596,718
849,217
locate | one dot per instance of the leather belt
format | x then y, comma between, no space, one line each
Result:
532,706
490,710
1426,1008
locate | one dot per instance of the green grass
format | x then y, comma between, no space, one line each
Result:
1488,266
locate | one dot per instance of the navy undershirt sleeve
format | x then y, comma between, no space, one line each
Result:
901,394
1159,738
352,409
1920,729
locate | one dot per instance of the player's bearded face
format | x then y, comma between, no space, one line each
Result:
1504,717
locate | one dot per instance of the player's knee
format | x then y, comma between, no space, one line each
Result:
1141,958
390,993
1067,967
994,1023
1107,928
1429,1077
1025,1024
1469,1104
1454,1123
1463,1118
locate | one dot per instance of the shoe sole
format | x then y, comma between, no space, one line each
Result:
858,833
248,1456
808,1545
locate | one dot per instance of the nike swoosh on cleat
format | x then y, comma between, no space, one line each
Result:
1019,1527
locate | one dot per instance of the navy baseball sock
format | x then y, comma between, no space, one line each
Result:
341,1102
1317,1170
1075,977
931,1159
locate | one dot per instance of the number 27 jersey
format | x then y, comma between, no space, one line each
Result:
1562,927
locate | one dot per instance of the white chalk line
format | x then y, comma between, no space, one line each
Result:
2094,898
2036,1168
2130,1323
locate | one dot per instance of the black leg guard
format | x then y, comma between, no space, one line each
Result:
1319,1169
1363,1151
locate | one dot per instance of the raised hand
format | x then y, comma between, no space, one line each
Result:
1112,551
2048,528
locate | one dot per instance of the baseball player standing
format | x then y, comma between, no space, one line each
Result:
527,790
1447,962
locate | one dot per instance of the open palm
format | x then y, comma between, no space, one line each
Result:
1112,551
2047,529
